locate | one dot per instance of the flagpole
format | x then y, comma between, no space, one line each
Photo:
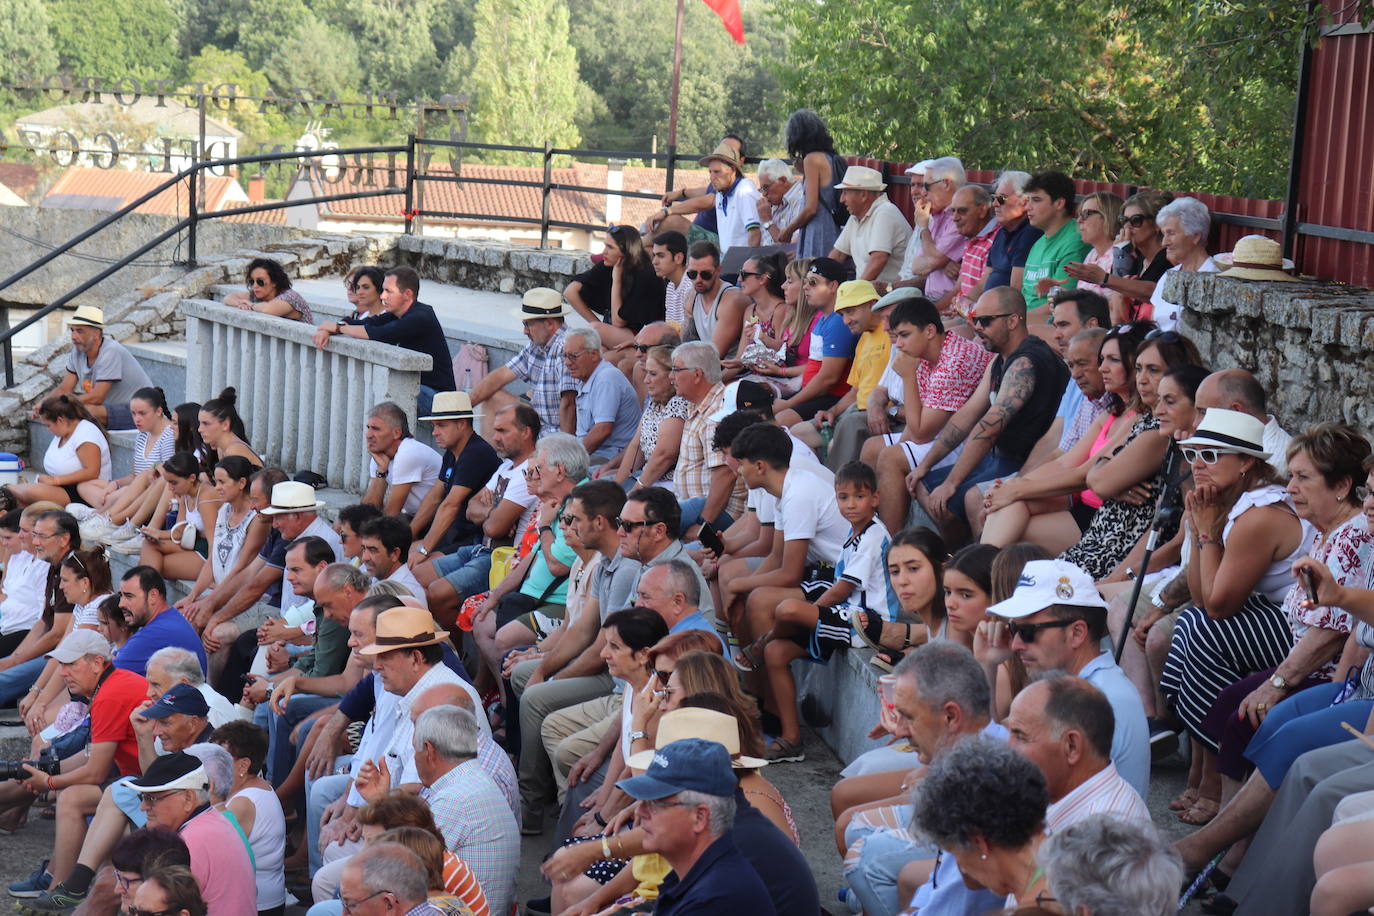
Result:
673,97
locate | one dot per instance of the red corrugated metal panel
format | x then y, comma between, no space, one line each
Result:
1337,183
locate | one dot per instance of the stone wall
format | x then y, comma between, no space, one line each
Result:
1310,344
152,311
31,232
489,265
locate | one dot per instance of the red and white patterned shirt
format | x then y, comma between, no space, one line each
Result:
972,267
1105,792
1348,551
953,379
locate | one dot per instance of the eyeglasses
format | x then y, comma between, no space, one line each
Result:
135,911
148,800
349,906
1362,493
38,535
658,804
626,525
1026,632
643,348
960,211
1136,221
255,281
672,369
703,274
532,470
574,357
1083,215
930,184
1164,336
984,321
127,883
1209,456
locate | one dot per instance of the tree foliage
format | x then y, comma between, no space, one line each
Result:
523,78
1151,94
26,45
116,37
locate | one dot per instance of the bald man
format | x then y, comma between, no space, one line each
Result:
489,756
1236,389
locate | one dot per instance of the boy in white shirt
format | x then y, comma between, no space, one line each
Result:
21,602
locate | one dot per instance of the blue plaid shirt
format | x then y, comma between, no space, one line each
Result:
479,828
547,375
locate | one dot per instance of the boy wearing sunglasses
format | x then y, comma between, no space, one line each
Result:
1056,621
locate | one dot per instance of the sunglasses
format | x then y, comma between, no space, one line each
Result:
1084,215
568,519
1136,221
750,273
255,281
1209,456
1026,632
1000,199
1164,336
984,321
643,348
626,525
662,676
702,274
135,911
147,801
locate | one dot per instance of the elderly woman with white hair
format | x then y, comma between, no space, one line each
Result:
1185,224
1106,866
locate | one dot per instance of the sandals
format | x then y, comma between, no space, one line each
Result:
750,658
1185,800
780,751
1202,812
887,659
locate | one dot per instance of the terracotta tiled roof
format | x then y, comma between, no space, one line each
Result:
270,217
20,178
498,202
109,189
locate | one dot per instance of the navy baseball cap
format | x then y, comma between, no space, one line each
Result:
183,698
689,765
828,268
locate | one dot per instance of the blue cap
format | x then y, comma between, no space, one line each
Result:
183,698
689,765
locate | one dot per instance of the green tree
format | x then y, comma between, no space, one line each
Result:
216,67
393,37
317,56
26,46
524,73
100,38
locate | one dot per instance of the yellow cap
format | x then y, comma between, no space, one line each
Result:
855,292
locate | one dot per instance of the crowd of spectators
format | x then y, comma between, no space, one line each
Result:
777,423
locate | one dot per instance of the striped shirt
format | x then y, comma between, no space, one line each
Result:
975,260
478,826
675,299
1105,792
548,377
462,883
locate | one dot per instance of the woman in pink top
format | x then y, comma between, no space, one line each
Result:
1099,215
1040,506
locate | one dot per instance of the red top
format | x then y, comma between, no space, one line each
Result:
114,700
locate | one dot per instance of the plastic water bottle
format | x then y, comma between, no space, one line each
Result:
827,433
467,379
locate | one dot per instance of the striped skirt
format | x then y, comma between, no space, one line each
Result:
1207,656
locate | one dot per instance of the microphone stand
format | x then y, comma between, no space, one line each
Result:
1166,515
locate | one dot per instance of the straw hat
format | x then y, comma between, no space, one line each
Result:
1229,430
725,153
706,724
1256,257
542,302
404,628
87,316
451,405
291,496
861,178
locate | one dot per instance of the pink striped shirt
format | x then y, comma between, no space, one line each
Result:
975,260
1105,792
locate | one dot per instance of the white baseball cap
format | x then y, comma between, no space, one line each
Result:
1048,582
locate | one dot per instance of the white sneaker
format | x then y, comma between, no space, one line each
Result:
79,511
130,546
96,528
122,533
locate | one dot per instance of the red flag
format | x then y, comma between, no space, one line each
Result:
729,13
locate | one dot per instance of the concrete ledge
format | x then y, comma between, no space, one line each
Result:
845,692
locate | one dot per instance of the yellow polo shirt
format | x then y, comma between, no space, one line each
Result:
870,361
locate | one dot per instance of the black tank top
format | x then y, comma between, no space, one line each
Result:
1033,420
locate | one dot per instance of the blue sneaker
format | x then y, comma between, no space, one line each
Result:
35,884
849,899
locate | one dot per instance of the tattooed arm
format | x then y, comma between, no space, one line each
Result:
1018,386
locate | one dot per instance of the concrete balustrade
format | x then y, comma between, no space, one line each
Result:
304,407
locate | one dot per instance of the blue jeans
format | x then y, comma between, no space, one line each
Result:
993,465
16,682
874,877
691,515
320,794
281,756
425,403
1303,722
467,569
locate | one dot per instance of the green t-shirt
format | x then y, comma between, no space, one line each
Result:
539,577
1047,258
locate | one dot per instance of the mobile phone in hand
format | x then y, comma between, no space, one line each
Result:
1309,584
709,538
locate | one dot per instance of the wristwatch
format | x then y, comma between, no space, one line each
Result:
637,735
1278,683
543,528
422,550
380,475
1159,603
